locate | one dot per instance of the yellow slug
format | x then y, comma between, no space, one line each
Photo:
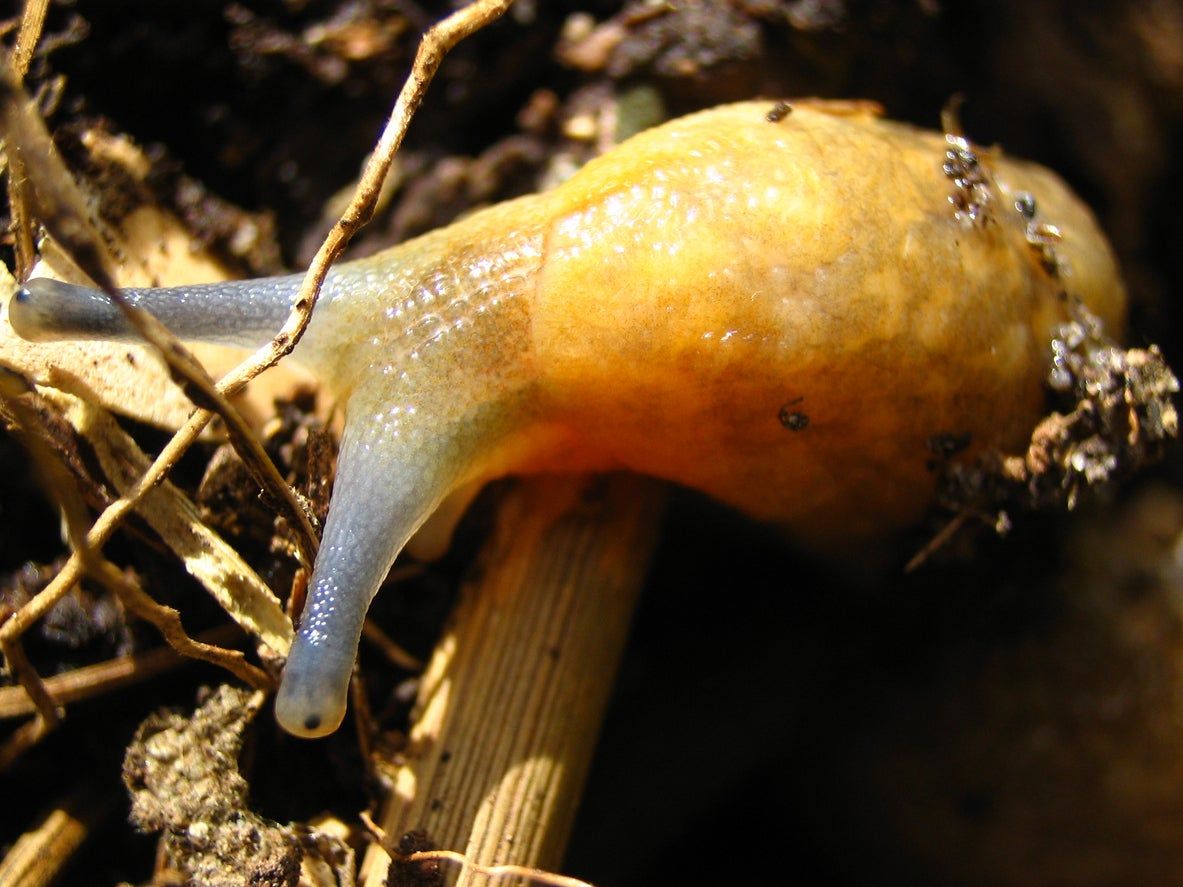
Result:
779,309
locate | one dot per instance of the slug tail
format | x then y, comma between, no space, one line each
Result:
245,313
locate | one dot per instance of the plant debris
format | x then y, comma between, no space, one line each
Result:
1120,416
182,773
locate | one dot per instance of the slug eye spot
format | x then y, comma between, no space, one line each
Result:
312,722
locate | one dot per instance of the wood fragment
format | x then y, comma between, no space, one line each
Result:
32,21
107,676
39,855
511,703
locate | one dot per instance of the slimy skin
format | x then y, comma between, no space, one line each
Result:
782,313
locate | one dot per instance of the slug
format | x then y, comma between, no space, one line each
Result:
780,309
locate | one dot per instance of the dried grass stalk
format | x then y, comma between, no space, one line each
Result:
512,701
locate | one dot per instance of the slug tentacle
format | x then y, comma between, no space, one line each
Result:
456,385
379,499
404,451
244,313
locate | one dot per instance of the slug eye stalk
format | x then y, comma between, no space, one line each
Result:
239,313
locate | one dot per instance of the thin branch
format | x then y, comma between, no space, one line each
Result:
32,22
536,876
168,621
102,530
436,44
22,739
106,677
39,695
394,653
27,425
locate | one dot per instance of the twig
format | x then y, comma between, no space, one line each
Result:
28,427
168,621
32,21
436,44
38,694
22,228
533,875
106,677
938,541
394,653
22,739
100,532
167,510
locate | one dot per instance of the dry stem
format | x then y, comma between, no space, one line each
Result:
511,704
32,21
39,855
107,676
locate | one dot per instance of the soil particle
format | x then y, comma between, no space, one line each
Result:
182,773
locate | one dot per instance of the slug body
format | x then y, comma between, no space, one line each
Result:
781,313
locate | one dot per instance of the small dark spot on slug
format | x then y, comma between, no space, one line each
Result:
779,112
311,722
794,420
23,295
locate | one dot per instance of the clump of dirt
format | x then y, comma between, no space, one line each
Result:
1120,414
182,774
